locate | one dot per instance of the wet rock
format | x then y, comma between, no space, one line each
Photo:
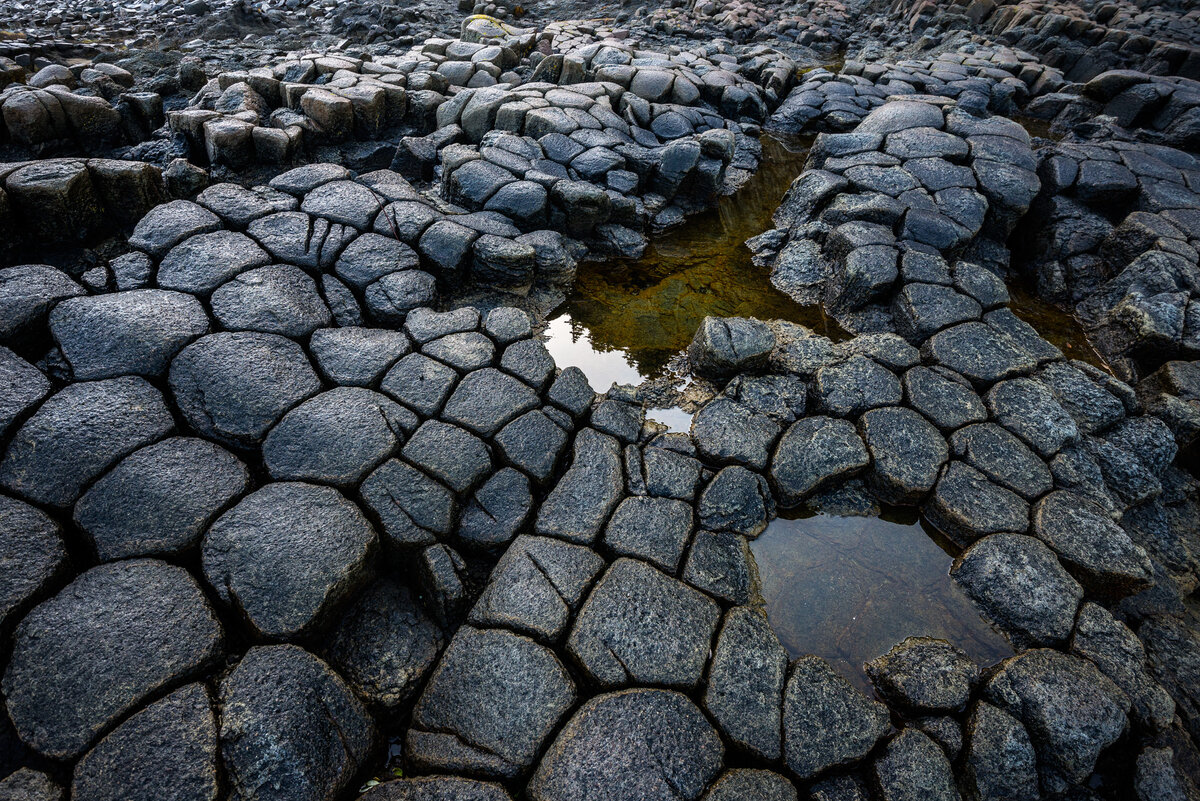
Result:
907,453
728,432
641,626
529,361
745,682
926,674
27,294
654,529
69,678
125,333
160,499
168,748
1028,409
746,784
1070,709
649,744
852,387
412,508
490,704
914,768
355,356
737,500
336,437
455,457
1003,458
813,453
25,386
724,346
283,701
288,555
826,722
580,504
233,386
719,564
1000,763
1019,584
420,383
465,351
536,586
966,505
1090,545
385,644
78,433
32,557
571,391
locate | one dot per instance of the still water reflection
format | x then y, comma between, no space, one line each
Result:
625,320
849,588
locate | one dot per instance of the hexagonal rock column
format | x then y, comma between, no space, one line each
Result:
490,704
282,701
653,745
287,555
113,637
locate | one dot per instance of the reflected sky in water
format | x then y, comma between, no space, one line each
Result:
849,588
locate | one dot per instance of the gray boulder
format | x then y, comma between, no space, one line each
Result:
924,674
946,399
160,499
1019,584
25,386
167,749
78,433
814,453
641,626
1006,460
653,529
907,453
826,722
748,784
277,299
287,555
412,508
385,644
727,432
723,347
69,679
202,263
32,556
283,701
233,386
1071,710
356,356
27,294
455,457
744,694
965,505
647,744
580,504
1096,550
126,333
999,763
1029,410
913,768
737,499
436,788
336,437
489,706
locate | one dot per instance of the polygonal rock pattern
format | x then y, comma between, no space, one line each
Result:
168,748
69,678
160,499
639,626
282,700
78,433
812,453
745,682
385,644
1090,545
649,744
490,704
234,386
913,767
925,674
826,722
287,555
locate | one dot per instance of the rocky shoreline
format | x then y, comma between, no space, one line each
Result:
295,502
